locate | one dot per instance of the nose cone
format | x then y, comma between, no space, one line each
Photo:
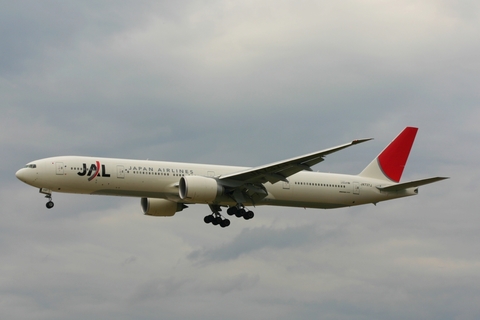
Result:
27,175
21,175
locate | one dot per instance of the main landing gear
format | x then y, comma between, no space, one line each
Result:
239,211
48,195
217,219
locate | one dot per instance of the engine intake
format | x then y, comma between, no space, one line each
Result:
199,189
160,207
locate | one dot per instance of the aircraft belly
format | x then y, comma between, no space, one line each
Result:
302,204
135,193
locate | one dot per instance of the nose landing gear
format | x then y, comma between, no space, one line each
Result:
49,204
48,195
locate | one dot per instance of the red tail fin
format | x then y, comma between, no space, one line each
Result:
390,163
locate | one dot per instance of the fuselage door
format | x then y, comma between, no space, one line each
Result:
356,188
120,172
59,168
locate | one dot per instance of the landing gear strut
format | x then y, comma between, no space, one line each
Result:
48,195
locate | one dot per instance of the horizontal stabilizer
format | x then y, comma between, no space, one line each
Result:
411,184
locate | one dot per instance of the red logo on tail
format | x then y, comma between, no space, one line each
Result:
392,160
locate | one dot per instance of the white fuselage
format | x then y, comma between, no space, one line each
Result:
159,179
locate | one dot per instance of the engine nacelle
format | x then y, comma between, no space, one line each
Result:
160,207
199,189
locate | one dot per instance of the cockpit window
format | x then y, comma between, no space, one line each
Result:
31,166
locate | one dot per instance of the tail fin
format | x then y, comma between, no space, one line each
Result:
389,164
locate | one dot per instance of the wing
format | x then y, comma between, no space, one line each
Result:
280,171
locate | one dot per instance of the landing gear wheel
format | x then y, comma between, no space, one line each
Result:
216,218
232,210
49,204
225,223
216,221
208,219
240,213
248,215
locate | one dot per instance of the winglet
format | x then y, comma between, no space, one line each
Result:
389,164
361,140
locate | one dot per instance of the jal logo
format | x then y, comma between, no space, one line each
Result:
94,171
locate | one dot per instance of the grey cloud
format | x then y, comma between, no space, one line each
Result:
156,289
240,83
237,283
34,32
255,239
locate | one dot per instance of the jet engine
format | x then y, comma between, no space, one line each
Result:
199,189
160,207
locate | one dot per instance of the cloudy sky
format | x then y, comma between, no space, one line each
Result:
242,83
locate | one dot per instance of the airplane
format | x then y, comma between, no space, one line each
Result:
166,188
